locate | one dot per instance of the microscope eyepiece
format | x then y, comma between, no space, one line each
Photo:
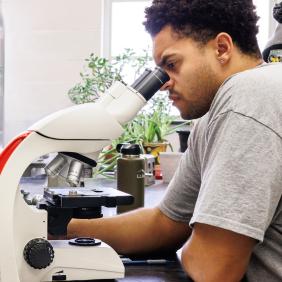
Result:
150,82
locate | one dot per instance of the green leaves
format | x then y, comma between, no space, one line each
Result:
152,124
100,73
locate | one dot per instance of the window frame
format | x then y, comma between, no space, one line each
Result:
107,22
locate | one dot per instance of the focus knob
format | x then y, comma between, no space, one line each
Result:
38,253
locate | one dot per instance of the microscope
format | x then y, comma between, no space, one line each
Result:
76,136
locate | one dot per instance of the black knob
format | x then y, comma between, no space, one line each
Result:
38,253
130,149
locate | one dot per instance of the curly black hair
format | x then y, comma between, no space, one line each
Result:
202,20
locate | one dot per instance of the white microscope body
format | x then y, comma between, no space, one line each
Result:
85,129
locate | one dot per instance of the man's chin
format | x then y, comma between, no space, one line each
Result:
185,116
191,113
188,113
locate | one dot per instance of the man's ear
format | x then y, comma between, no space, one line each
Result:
224,47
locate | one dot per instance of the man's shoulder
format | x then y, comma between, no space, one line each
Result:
251,87
254,77
254,93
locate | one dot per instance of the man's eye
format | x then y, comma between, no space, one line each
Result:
170,66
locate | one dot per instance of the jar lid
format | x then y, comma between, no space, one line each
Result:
130,149
119,145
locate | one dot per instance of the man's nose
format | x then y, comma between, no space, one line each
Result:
167,85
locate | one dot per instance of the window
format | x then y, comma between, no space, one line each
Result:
123,21
263,11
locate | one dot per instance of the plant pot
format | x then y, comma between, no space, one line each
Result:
155,149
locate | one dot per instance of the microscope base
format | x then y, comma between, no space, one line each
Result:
77,263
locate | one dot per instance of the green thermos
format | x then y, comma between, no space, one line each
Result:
130,175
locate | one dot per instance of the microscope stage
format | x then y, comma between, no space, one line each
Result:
79,197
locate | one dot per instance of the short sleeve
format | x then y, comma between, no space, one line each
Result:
241,176
182,192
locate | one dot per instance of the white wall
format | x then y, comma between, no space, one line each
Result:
46,42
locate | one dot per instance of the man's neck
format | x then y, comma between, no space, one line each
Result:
241,62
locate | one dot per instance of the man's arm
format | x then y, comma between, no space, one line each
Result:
136,232
214,254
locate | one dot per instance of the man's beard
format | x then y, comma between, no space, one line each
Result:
207,85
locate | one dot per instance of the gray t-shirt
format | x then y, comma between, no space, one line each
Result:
231,174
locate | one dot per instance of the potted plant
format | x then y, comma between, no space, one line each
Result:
152,125
149,128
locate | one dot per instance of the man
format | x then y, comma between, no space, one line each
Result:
224,202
